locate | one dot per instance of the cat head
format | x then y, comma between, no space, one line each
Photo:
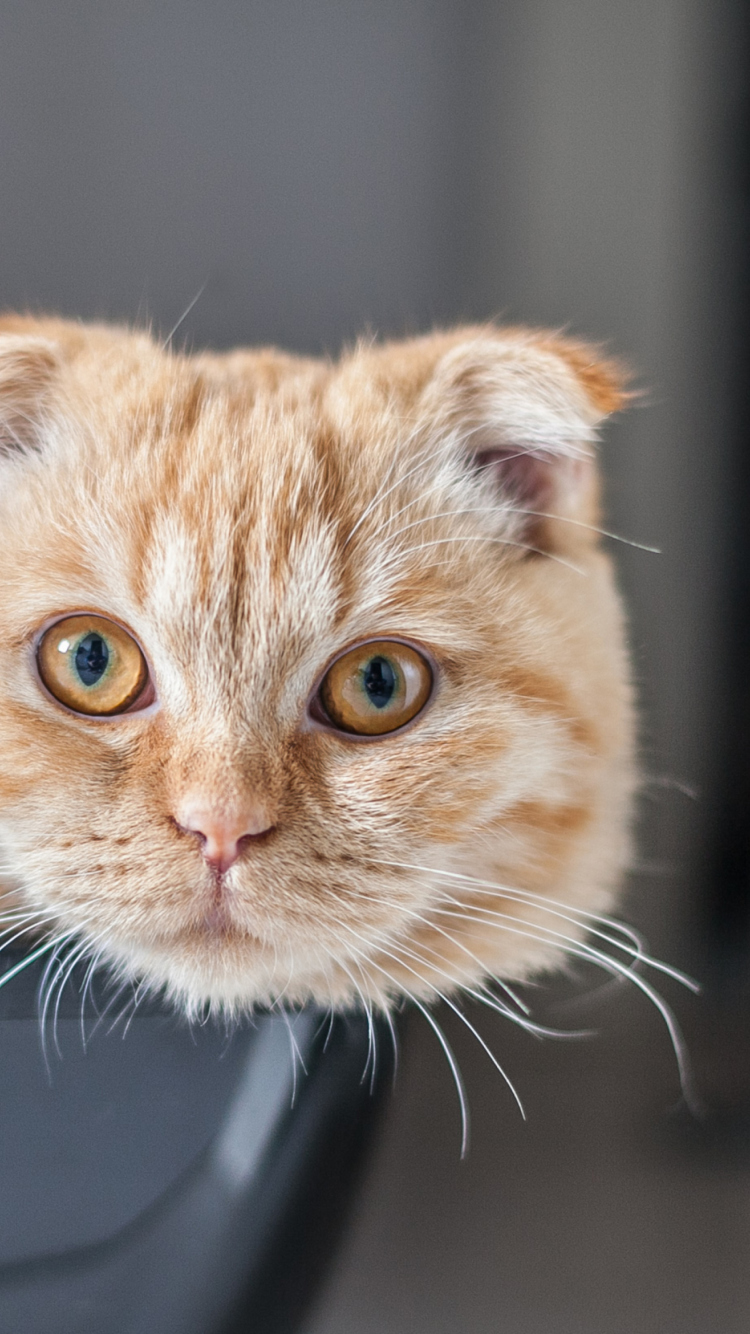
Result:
312,678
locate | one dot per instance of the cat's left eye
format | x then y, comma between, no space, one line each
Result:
92,666
375,688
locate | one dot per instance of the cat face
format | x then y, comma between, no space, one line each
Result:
312,681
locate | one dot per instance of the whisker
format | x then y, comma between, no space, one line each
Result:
637,952
184,316
579,949
329,1030
20,933
424,457
394,1041
131,1001
53,969
508,509
452,1062
112,1001
394,561
497,510
637,956
28,959
520,1018
86,988
70,963
449,1055
367,1008
590,527
296,1055
572,946
486,997
448,1002
555,908
138,995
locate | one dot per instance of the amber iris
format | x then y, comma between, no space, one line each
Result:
91,665
376,688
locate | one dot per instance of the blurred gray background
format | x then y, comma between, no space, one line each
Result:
320,168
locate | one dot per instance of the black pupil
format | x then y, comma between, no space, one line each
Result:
92,656
379,681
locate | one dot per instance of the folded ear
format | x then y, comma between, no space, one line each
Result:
28,370
525,407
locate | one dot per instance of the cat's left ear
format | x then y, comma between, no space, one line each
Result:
524,408
29,367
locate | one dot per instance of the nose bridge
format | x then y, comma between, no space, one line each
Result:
222,793
221,764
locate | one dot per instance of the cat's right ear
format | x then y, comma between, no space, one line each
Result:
29,368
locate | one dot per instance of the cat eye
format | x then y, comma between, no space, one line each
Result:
375,688
92,665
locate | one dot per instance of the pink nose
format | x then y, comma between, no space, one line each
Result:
223,832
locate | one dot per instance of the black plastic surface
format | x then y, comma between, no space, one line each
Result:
183,1181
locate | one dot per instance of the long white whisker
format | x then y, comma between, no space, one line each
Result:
28,959
86,988
122,1013
511,509
295,1054
19,934
590,527
638,957
112,1001
394,1040
522,1019
396,560
486,997
439,485
447,1001
637,953
554,908
452,1062
138,994
426,455
183,316
486,1048
579,949
53,970
73,958
451,514
433,926
367,1008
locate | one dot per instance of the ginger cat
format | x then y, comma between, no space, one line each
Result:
313,683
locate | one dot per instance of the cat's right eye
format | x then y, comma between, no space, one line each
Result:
93,666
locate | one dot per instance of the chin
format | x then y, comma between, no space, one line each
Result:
212,970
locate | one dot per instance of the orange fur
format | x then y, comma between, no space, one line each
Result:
247,517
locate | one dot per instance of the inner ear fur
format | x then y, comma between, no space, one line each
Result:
525,408
28,370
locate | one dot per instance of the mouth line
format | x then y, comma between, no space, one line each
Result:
218,919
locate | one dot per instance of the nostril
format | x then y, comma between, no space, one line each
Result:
219,853
258,836
223,834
